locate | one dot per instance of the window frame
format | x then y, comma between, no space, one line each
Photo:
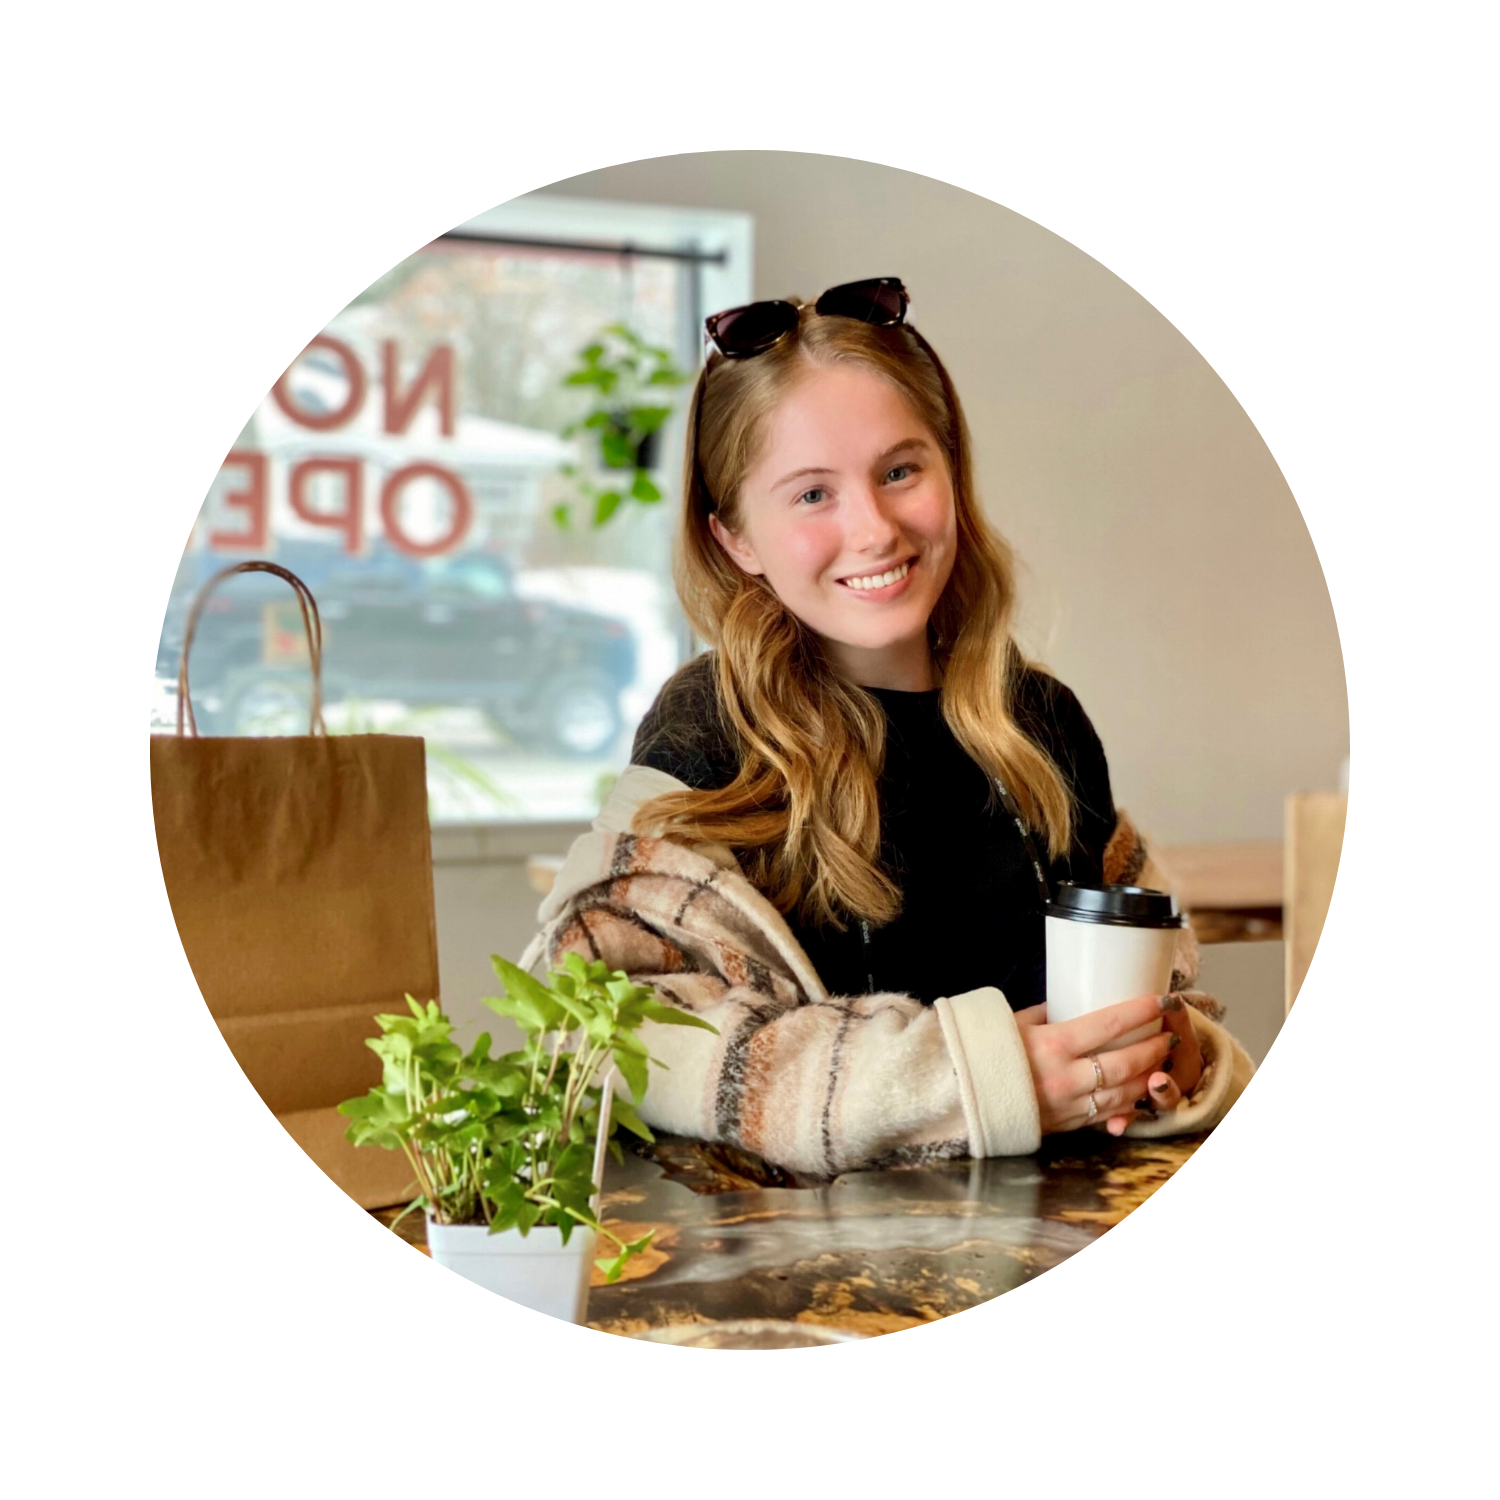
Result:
729,282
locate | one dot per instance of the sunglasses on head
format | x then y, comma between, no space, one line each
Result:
742,332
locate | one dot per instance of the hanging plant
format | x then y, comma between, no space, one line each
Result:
622,429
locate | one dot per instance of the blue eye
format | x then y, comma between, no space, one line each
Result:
812,495
900,469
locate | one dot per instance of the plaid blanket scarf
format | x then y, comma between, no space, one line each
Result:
814,1082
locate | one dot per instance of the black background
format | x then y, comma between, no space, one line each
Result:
1245,266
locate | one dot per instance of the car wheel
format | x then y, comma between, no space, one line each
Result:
581,717
268,705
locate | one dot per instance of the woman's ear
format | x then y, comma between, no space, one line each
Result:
739,550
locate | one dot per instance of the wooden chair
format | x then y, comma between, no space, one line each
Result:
1314,840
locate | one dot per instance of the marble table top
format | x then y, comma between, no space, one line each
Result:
868,1252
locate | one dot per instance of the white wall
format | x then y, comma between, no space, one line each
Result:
486,905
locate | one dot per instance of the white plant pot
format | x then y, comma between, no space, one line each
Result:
537,1270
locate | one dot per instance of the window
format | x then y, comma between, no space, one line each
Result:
412,467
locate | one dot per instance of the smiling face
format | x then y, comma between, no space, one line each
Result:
848,513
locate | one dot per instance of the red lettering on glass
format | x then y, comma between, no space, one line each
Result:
350,517
401,407
390,510
325,421
252,498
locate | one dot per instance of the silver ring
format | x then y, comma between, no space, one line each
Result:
1098,1073
1093,1105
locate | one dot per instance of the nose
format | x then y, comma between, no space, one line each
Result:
869,524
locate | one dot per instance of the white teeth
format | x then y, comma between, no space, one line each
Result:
880,580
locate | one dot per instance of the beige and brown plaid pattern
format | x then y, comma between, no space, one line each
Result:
814,1082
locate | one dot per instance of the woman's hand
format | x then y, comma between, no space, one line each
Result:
1178,1076
1062,1059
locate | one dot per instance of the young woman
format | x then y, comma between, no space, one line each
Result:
842,823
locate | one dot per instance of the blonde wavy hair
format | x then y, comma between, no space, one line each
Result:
803,812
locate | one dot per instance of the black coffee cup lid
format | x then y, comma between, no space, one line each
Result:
1115,905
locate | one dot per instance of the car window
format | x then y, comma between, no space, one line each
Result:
364,578
475,577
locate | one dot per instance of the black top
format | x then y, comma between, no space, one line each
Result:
971,911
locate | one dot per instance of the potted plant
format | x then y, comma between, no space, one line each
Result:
507,1150
627,377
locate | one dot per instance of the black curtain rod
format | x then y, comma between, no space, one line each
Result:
620,251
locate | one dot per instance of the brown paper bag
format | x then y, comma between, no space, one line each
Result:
299,869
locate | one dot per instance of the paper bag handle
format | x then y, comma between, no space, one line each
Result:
311,622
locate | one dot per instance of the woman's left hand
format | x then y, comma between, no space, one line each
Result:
1178,1076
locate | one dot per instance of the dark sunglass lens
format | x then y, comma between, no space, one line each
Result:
882,301
752,330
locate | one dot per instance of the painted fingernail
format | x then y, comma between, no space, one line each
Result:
1169,1002
1144,1102
1162,1087
1172,1045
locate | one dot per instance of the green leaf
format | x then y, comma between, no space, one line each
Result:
575,1161
519,983
521,1009
646,419
634,1070
613,1268
562,517
507,1201
510,1084
606,505
668,1015
623,1113
580,1011
418,1202
630,1014
369,1106
617,451
643,489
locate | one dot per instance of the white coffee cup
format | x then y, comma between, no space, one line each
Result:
1106,944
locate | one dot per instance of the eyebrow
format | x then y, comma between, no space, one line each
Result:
903,446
